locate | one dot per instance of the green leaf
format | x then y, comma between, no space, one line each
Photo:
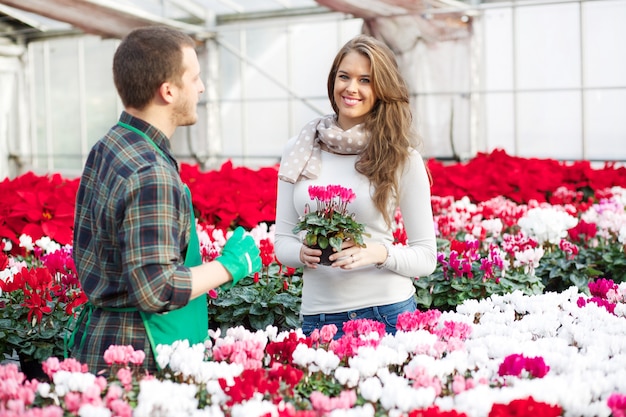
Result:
424,298
261,322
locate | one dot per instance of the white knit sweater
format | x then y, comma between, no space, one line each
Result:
332,290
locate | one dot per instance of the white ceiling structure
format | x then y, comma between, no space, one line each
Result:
410,27
115,18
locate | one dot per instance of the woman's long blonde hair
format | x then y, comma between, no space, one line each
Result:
389,122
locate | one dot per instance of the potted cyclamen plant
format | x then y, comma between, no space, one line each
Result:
330,223
39,294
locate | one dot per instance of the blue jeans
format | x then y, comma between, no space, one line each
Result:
387,314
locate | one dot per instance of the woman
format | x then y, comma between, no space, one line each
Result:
367,145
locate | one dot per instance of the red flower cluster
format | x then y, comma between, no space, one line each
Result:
233,196
37,206
434,411
489,175
524,408
267,382
38,286
229,196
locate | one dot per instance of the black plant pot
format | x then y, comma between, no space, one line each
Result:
32,369
325,254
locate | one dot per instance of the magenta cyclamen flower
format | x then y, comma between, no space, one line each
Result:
515,364
330,223
617,404
609,306
600,290
331,198
601,287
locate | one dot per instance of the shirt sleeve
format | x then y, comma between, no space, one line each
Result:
287,245
150,240
419,257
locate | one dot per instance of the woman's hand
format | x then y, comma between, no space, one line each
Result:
352,256
310,257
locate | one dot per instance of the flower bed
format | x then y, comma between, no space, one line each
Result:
524,311
512,355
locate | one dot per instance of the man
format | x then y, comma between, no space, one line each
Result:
135,247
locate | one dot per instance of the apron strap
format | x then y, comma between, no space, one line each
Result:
85,314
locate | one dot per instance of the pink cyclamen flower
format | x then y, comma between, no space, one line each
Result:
125,376
327,333
118,354
325,404
120,408
416,320
617,403
137,357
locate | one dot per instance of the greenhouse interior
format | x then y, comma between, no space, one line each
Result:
520,110
535,78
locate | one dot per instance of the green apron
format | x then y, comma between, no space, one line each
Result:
190,322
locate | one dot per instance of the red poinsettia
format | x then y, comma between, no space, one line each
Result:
38,206
233,196
489,175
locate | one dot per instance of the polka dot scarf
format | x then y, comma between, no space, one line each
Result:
303,159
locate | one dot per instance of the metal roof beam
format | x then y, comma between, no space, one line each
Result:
105,18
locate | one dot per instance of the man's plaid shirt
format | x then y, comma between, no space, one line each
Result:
130,235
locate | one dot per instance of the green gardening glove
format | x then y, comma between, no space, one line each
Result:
240,257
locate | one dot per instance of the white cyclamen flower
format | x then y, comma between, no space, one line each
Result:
7,244
398,394
348,377
547,224
65,382
48,245
254,408
622,235
492,226
26,242
165,399
368,359
315,359
366,410
89,410
371,389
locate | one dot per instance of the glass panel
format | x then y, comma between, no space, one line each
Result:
313,49
266,73
266,133
229,66
302,113
605,129
604,51
65,100
548,46
433,117
549,125
232,128
499,123
101,99
498,49
39,95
